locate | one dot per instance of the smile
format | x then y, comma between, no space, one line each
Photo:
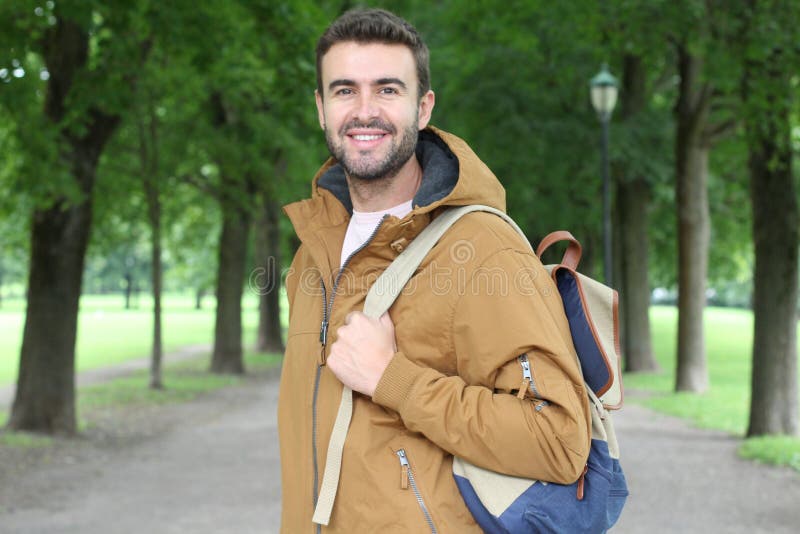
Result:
367,137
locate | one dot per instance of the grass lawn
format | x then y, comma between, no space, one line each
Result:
726,405
109,334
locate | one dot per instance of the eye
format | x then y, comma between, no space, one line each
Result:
344,91
389,91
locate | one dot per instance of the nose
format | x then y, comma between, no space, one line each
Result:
366,107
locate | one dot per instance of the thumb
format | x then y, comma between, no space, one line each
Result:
386,321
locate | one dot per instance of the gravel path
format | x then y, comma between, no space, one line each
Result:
683,479
212,466
206,466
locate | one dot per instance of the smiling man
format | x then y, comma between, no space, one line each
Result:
441,373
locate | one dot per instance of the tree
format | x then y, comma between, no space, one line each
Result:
691,175
79,108
266,278
698,127
769,93
640,166
255,120
149,157
633,201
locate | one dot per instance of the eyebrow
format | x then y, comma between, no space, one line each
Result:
380,81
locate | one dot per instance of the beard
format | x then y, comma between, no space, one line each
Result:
363,166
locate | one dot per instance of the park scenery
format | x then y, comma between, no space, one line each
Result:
146,149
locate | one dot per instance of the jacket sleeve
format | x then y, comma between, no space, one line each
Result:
477,413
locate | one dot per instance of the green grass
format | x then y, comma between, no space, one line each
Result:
184,381
24,440
725,406
773,450
109,334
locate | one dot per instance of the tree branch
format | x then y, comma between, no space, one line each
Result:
202,185
716,132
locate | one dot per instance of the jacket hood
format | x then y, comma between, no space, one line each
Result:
452,175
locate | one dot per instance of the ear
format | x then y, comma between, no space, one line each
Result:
320,109
426,104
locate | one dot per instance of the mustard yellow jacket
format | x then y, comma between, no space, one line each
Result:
478,301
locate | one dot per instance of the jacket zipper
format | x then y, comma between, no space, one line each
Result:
406,478
323,335
527,378
327,308
527,383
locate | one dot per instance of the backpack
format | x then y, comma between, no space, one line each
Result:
500,503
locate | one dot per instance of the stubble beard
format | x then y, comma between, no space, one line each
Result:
365,168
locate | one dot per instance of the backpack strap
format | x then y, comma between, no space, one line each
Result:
380,298
572,256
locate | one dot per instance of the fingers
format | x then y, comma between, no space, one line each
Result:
355,318
386,321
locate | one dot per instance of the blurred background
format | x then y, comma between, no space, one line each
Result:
146,149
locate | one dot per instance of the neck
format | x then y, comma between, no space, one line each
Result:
384,193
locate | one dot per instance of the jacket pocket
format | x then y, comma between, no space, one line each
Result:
409,482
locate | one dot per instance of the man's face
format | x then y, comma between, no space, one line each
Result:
370,111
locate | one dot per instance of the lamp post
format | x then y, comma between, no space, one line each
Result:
604,98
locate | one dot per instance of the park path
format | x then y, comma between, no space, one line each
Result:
213,467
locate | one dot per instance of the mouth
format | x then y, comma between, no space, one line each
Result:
365,139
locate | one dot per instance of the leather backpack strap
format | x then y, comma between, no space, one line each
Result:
572,256
379,299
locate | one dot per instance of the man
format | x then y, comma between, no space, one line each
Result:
439,375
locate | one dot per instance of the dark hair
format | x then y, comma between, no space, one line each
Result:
376,26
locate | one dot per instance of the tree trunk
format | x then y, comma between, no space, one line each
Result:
691,160
227,356
198,299
773,403
148,145
45,396
154,216
633,202
266,278
128,289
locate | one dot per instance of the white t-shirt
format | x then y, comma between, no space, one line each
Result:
363,223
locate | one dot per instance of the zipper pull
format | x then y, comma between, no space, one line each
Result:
527,377
323,333
323,339
581,482
404,467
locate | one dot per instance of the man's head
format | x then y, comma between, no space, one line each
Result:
376,26
370,100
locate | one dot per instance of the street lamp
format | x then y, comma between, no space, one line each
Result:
604,98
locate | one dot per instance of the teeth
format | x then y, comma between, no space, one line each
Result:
366,137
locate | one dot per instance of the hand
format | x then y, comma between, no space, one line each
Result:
363,349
